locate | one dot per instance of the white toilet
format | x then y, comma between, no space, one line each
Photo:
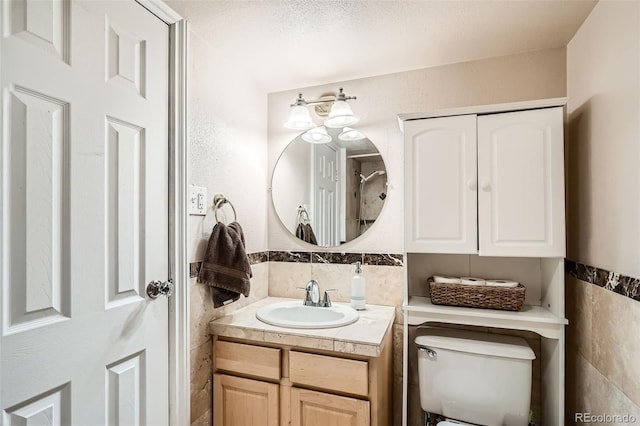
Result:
468,376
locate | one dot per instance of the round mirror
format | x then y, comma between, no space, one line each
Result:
329,190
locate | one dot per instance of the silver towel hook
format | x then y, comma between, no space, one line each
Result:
303,215
220,200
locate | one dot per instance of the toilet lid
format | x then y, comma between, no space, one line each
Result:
448,423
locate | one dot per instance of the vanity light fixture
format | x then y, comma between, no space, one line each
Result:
348,135
340,114
317,135
299,119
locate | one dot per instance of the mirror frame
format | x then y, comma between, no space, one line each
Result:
291,212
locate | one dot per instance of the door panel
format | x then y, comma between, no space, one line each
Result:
311,408
326,198
37,251
440,185
41,23
125,391
521,176
50,408
125,185
84,196
245,402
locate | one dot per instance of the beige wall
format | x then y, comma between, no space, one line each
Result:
235,137
227,146
603,85
227,154
227,151
603,196
528,76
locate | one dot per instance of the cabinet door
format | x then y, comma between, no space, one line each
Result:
521,178
244,402
311,408
440,185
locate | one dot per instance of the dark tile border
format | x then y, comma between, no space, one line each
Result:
339,258
258,257
290,256
387,259
336,258
613,281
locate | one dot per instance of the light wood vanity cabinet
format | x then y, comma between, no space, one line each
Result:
258,385
240,401
320,408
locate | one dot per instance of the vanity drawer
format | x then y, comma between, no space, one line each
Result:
251,360
331,373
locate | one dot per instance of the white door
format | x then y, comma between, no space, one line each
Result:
84,213
521,178
440,185
326,207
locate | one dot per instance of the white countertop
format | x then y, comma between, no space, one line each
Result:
364,337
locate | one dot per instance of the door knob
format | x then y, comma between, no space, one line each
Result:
486,186
158,288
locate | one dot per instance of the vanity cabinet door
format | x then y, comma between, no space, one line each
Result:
311,408
244,402
521,180
440,185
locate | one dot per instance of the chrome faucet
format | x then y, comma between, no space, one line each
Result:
313,292
312,295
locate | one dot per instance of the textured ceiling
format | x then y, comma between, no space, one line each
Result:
278,45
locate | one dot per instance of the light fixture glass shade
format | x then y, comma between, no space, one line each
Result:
341,115
299,119
317,135
348,134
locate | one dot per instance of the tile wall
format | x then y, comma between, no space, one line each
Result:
202,312
603,215
603,372
384,274
278,273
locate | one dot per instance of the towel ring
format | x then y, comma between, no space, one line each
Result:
219,200
303,215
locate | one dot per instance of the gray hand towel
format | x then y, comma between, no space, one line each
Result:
305,233
225,267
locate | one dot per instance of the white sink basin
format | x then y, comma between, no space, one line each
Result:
294,314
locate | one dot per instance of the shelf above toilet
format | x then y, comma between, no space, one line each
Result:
532,318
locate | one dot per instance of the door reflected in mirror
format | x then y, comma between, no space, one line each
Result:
331,193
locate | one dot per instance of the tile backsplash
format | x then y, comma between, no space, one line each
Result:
377,259
612,281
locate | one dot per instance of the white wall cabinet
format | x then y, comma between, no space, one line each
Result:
484,196
491,184
441,185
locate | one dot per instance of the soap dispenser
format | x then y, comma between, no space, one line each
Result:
358,289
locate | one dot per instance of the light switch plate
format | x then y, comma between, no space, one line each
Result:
197,200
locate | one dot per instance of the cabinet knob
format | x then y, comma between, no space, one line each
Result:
472,184
486,186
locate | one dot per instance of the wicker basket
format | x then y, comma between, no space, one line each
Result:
477,296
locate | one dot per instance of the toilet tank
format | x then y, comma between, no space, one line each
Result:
475,377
